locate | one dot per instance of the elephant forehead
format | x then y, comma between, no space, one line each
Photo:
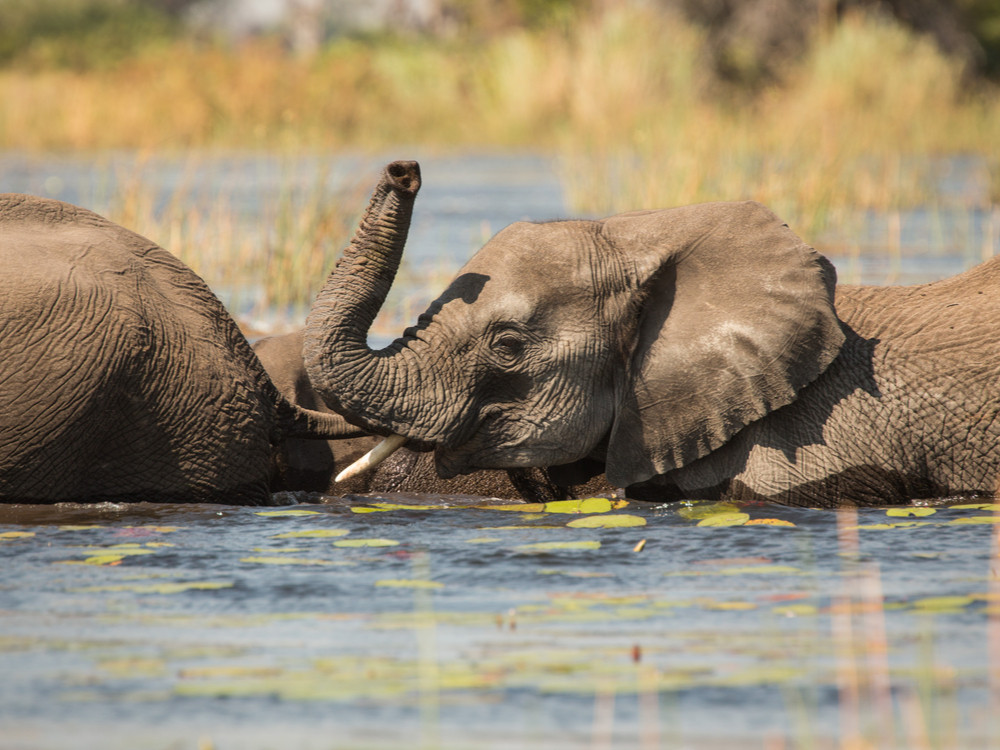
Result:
540,260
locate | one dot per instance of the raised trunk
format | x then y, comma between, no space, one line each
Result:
371,387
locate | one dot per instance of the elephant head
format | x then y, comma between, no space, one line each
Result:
643,341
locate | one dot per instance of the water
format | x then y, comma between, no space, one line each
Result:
466,198
216,627
163,626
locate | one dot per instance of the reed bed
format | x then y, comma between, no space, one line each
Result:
267,267
864,123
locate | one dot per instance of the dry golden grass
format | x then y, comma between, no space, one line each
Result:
622,95
269,267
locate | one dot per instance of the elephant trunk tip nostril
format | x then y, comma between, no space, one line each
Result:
404,176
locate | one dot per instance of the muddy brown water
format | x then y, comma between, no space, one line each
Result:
460,625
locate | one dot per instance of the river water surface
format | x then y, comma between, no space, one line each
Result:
443,622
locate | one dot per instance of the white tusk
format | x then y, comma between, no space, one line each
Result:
372,458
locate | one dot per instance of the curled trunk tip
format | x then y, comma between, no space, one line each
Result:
403,176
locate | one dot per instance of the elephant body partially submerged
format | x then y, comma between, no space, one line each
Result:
122,377
697,352
302,464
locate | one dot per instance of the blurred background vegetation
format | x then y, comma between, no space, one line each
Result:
819,108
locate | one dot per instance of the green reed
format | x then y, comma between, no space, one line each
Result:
268,267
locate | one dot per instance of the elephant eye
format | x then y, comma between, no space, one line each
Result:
508,344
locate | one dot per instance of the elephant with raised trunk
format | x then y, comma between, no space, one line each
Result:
122,377
301,464
695,352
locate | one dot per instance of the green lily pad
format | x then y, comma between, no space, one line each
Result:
366,543
278,560
589,505
517,507
387,507
697,512
614,520
113,555
942,603
409,583
896,525
903,512
16,534
280,513
159,588
796,610
312,534
973,520
724,519
520,527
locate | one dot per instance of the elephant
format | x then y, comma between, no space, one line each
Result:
703,352
122,377
302,464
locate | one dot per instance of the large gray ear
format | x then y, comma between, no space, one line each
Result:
736,314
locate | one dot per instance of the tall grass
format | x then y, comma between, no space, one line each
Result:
624,95
629,77
268,268
857,125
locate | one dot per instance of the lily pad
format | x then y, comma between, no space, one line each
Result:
896,525
796,610
16,534
724,519
697,512
904,512
312,534
614,520
366,543
111,555
409,583
730,606
973,520
589,505
387,507
557,546
942,603
159,588
768,522
517,507
278,560
280,513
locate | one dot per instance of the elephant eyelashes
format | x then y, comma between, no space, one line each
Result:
508,346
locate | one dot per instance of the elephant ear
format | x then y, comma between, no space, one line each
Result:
735,315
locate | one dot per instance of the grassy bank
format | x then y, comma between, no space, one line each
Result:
861,123
623,78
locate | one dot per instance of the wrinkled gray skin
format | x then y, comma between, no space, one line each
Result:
311,465
693,352
122,377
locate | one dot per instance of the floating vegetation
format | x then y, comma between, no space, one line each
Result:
366,543
371,614
610,521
